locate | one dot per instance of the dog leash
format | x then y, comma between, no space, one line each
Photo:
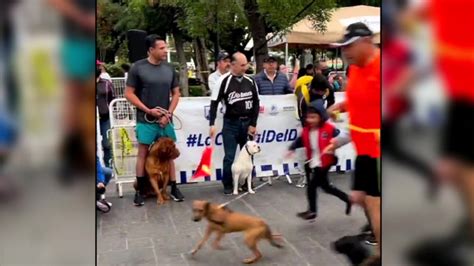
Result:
165,112
240,196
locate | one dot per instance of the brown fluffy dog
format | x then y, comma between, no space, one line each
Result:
222,221
158,164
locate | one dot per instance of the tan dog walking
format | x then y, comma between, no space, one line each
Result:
223,220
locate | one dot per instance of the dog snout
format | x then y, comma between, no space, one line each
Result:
196,219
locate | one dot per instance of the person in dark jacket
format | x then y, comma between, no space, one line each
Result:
270,81
315,137
306,71
104,95
239,95
319,88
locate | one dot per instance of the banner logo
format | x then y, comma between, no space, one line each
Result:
274,110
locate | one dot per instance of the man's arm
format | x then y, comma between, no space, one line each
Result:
132,84
298,143
338,107
133,99
175,94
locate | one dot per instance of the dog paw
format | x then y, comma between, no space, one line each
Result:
192,252
235,193
251,191
160,201
249,260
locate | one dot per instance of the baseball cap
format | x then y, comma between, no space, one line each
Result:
354,32
270,58
223,56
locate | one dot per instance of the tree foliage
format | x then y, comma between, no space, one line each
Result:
359,2
208,19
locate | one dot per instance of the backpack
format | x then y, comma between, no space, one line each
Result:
302,92
104,95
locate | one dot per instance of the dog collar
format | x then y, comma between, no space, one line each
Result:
246,148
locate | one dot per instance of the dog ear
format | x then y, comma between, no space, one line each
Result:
207,207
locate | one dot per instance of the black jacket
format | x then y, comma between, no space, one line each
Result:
239,96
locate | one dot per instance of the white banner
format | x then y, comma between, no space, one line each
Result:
277,126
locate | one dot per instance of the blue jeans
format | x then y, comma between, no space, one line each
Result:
106,145
234,132
107,174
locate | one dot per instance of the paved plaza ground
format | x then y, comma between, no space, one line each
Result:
152,235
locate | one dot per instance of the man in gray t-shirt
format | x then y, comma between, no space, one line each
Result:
151,83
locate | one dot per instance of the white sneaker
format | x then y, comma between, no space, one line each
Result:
301,182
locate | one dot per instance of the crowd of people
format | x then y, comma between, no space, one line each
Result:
152,82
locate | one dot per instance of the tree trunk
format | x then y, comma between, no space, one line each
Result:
183,69
202,64
257,29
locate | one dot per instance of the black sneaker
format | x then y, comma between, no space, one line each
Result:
309,216
370,240
228,191
176,195
138,200
303,214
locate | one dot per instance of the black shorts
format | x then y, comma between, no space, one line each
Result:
366,176
458,135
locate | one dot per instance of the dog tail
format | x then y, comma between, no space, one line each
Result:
271,237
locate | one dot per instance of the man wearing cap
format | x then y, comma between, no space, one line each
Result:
363,105
223,65
238,93
270,81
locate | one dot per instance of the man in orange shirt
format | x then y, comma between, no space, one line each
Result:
363,105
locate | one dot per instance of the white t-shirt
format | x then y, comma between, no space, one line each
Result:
105,75
314,144
213,83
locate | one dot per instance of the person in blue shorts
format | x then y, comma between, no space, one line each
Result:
77,57
151,83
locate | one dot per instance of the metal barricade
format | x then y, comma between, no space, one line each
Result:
119,87
122,113
123,141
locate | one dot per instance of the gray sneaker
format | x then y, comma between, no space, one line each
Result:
301,182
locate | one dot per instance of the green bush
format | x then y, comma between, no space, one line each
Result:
115,70
195,91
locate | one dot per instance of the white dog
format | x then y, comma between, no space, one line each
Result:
242,167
